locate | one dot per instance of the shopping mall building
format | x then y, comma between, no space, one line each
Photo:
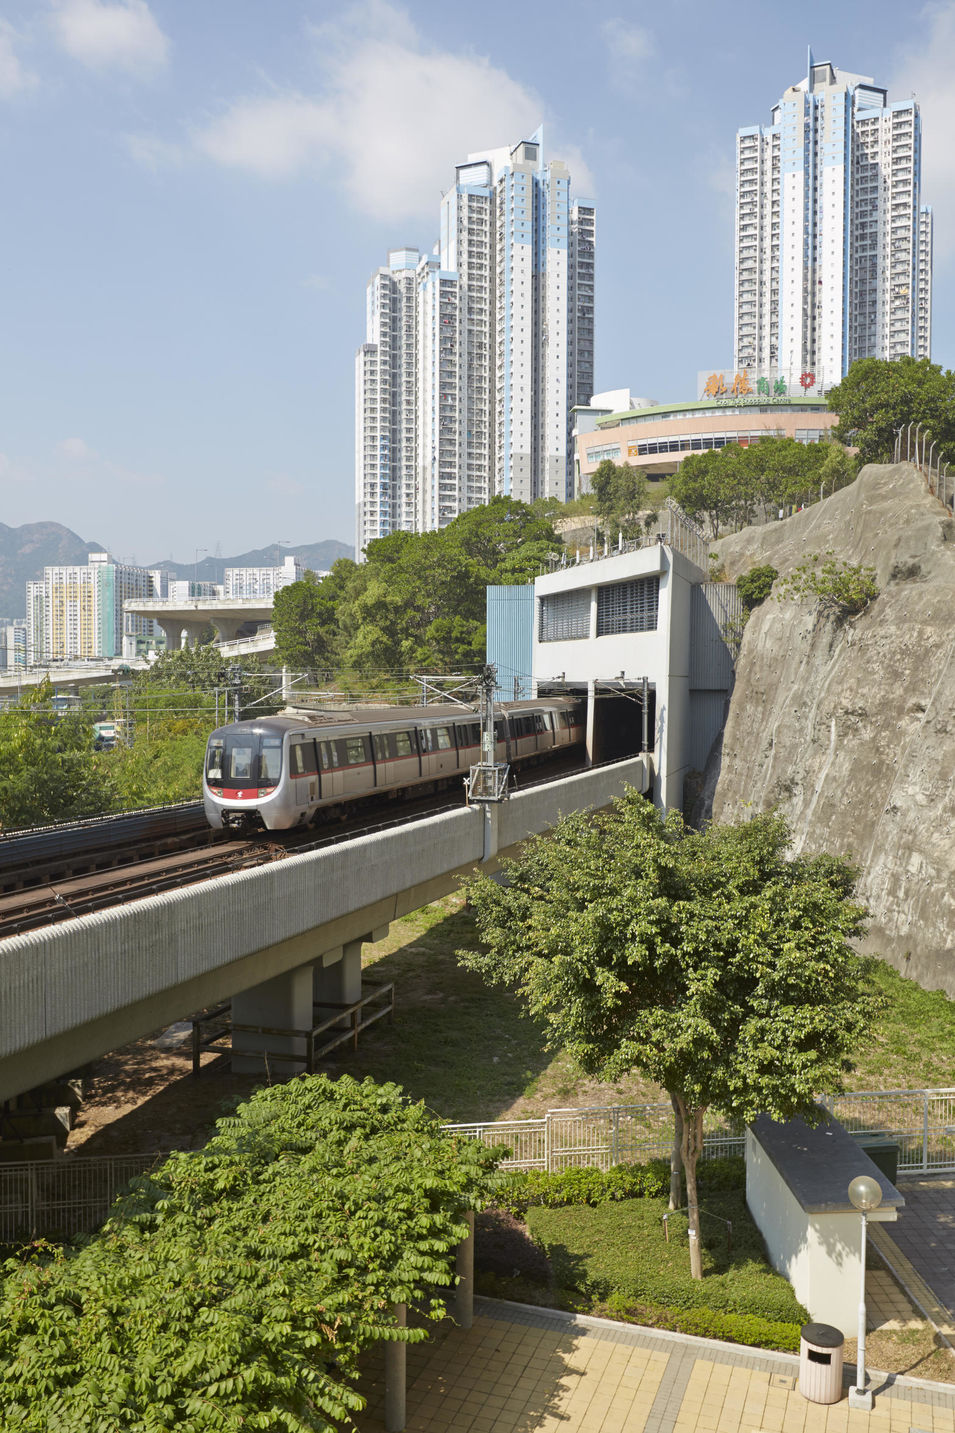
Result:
731,408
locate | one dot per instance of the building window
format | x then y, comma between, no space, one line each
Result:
628,606
565,616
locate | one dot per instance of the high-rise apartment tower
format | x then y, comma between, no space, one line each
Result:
833,243
476,354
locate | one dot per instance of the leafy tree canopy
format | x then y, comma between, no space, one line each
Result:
619,492
727,487
49,770
878,396
707,961
237,1287
418,599
755,585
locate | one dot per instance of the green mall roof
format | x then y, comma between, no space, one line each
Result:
717,405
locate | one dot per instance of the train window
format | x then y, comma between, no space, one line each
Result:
540,722
404,743
270,759
327,751
302,758
214,760
382,745
443,737
240,762
355,750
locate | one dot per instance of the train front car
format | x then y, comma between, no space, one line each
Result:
242,785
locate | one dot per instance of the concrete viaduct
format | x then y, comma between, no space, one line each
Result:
272,939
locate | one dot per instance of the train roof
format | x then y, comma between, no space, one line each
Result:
295,718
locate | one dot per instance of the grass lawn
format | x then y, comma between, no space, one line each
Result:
619,1249
470,1053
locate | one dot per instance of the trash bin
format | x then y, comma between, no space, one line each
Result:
820,1363
883,1152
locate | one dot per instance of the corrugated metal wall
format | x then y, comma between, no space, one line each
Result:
714,604
510,639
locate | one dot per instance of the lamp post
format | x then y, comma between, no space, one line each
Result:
865,1194
908,442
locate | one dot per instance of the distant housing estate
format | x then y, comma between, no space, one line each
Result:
476,354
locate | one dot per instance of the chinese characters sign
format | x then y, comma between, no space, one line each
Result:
749,385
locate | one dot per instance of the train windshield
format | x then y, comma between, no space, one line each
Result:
242,759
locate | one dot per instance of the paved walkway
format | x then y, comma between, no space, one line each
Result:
521,1370
925,1232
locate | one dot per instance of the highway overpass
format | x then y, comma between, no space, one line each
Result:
272,939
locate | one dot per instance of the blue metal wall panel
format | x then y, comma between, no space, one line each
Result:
510,639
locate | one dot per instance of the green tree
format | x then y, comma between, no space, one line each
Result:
620,493
304,618
755,586
49,770
707,961
878,396
237,1287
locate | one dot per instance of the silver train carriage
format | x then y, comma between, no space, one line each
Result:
282,771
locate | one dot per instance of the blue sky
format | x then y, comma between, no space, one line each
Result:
197,191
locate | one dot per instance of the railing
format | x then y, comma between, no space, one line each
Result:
920,448
306,1046
922,1122
63,1197
66,1196
671,526
600,1137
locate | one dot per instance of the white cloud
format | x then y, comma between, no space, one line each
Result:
626,41
104,34
319,282
152,152
392,117
13,77
75,449
927,72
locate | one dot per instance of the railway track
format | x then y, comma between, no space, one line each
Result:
67,880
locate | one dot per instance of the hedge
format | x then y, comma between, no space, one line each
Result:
524,1189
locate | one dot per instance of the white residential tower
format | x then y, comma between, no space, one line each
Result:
833,243
476,354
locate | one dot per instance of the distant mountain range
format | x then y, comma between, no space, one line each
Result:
26,550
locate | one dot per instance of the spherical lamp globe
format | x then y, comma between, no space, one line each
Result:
865,1193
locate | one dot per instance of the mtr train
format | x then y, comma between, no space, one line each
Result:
284,771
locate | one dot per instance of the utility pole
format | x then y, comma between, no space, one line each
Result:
487,782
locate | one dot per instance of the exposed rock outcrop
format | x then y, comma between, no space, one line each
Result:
849,727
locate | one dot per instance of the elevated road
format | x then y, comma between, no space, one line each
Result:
75,990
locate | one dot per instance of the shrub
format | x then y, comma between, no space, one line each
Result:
755,586
842,588
748,1329
522,1190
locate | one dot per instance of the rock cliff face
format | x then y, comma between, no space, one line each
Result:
849,728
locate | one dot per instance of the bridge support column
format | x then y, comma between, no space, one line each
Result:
337,981
282,1003
172,631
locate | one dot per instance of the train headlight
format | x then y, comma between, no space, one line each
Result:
215,790
266,790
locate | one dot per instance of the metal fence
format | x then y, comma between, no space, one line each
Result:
63,1197
922,1122
600,1137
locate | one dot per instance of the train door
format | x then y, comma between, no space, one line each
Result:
543,726
396,757
303,772
439,755
332,776
469,744
358,772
